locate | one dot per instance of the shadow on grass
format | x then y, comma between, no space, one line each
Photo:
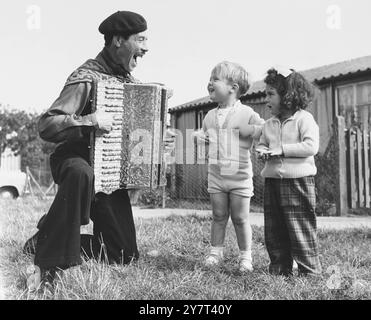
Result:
172,263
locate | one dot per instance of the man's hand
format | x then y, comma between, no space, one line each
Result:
105,120
169,140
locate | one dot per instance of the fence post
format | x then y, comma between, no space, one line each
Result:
351,168
163,197
341,194
366,168
173,169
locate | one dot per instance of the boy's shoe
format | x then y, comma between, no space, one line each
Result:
212,260
245,261
246,265
214,257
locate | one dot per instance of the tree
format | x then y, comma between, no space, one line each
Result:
18,131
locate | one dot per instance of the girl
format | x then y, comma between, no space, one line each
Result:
288,143
230,129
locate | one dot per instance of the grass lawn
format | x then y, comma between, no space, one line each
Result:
178,271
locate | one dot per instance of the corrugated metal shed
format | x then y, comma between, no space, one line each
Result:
319,75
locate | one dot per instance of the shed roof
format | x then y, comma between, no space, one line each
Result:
319,74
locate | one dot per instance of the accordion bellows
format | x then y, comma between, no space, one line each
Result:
131,155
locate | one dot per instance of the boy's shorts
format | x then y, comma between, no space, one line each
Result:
240,183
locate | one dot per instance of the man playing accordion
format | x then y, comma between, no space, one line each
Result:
69,123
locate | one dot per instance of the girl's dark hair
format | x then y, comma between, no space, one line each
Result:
295,91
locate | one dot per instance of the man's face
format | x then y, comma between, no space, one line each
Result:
131,49
273,100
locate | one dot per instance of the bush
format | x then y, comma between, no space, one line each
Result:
326,180
19,132
150,198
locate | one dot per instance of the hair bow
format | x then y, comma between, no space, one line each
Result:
283,70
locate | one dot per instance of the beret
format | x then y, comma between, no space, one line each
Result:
123,23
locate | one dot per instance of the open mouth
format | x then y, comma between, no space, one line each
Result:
136,56
136,59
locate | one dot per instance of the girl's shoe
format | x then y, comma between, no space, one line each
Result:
215,256
294,265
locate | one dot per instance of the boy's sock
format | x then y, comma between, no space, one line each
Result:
245,260
217,251
246,254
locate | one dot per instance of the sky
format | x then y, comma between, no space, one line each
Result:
42,41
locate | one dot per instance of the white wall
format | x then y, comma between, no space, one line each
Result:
10,162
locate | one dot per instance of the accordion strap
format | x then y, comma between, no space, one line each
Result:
92,71
89,72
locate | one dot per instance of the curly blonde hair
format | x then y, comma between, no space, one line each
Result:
295,91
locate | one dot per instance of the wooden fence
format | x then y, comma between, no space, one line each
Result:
358,167
354,160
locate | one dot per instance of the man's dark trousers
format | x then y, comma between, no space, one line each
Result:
59,244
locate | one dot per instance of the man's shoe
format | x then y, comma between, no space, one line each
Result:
30,246
33,278
38,278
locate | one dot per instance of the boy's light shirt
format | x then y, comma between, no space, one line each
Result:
227,148
222,115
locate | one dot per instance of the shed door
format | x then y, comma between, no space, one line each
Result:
354,104
364,116
363,103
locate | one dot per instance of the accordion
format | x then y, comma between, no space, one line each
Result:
131,155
